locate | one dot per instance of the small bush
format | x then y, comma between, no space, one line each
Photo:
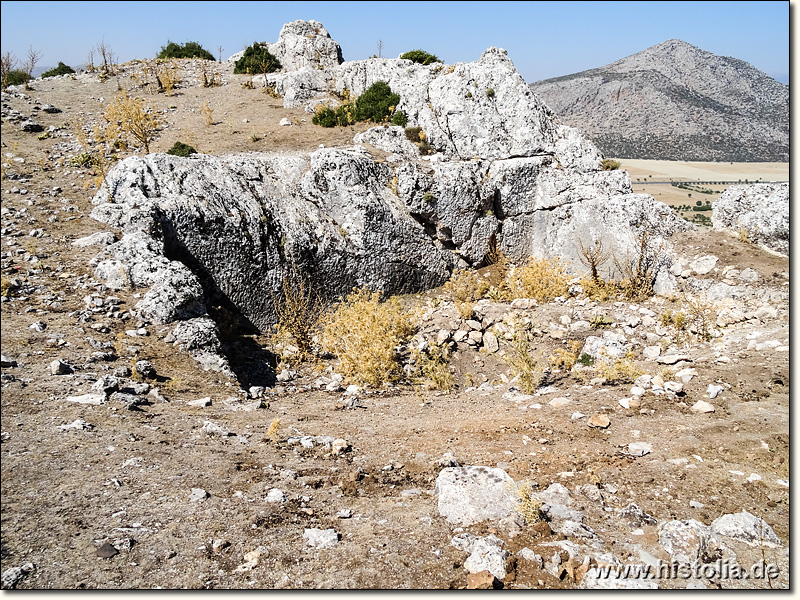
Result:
377,103
127,116
421,57
621,370
609,164
364,333
345,114
299,308
524,364
490,93
466,285
84,160
542,279
255,60
399,118
414,134
17,77
187,50
432,368
181,149
528,506
324,116
61,69
565,358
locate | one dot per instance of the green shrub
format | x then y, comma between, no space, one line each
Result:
345,114
609,164
17,77
181,149
376,103
421,57
325,116
187,50
255,60
399,118
61,69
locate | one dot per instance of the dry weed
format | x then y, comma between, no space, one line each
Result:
128,117
524,363
299,308
208,113
542,279
528,506
621,370
364,333
565,358
432,368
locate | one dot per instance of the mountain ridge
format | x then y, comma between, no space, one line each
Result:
675,101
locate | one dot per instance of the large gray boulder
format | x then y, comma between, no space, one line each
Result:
243,222
210,231
759,211
303,44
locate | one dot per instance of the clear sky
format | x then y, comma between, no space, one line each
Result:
544,39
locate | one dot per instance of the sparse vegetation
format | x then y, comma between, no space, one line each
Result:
299,308
61,69
609,164
181,149
431,368
127,118
542,279
399,118
523,361
256,60
421,57
364,333
528,506
187,50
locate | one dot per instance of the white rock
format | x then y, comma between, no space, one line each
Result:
95,399
472,494
275,495
200,402
639,448
198,494
320,538
684,541
559,402
746,528
487,554
701,406
704,264
714,390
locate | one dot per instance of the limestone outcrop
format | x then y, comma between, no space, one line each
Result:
505,175
303,44
759,212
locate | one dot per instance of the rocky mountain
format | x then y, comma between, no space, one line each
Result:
674,101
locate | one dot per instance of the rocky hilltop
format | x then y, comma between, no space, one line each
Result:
674,101
503,175
532,440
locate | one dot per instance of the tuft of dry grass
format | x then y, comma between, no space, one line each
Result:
208,113
299,309
542,279
272,430
565,358
524,363
364,333
432,368
621,370
528,506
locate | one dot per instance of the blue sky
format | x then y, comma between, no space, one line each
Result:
544,39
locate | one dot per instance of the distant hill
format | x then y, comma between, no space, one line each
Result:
674,101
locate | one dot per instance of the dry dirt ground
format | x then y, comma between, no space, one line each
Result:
127,480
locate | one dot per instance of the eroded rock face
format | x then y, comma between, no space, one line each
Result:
242,221
505,175
759,211
303,44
